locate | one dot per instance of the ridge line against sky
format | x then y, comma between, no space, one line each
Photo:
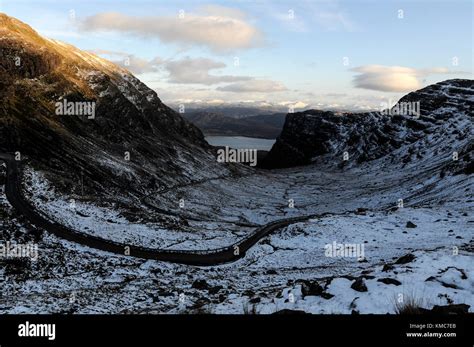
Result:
351,55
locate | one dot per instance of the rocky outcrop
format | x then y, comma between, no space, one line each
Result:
445,112
407,258
359,285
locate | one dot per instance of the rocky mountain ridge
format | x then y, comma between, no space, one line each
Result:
445,113
134,140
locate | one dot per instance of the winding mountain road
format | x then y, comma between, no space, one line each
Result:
199,258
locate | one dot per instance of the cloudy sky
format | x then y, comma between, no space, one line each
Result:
349,54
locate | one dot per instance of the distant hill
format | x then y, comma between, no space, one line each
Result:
234,110
266,126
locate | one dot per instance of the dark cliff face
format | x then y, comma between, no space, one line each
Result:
446,109
36,73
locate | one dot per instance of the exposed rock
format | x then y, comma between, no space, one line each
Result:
389,281
222,298
448,285
410,225
313,288
201,285
359,285
249,293
310,288
408,258
215,289
255,300
387,267
353,304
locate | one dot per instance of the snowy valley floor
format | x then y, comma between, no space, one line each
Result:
432,234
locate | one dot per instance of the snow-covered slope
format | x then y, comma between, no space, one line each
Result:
446,112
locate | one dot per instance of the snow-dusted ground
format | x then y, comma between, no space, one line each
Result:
107,222
298,253
435,278
71,278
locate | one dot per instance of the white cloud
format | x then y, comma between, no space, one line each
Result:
254,86
130,62
393,78
196,70
219,28
138,65
183,71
